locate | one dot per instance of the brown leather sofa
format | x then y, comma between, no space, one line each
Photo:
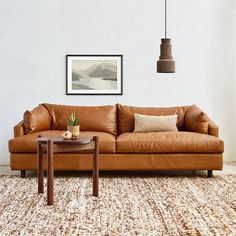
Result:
195,147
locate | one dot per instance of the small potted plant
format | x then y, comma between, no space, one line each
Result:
73,125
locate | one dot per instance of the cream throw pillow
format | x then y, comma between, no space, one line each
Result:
144,123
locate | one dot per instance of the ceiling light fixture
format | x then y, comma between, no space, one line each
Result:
165,64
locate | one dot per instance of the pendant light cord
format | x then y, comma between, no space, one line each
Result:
165,18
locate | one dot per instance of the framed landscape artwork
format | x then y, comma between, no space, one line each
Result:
94,74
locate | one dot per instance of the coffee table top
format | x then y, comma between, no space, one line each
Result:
61,140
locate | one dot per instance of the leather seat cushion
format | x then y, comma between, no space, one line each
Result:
27,143
168,142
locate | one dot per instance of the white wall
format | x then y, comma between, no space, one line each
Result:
36,35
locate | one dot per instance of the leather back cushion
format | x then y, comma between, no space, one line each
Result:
196,120
126,115
92,118
37,120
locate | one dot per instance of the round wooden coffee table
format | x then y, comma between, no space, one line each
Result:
58,144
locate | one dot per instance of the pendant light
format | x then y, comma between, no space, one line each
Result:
165,64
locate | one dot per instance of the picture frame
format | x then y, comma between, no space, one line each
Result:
94,74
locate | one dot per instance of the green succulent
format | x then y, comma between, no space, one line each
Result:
73,120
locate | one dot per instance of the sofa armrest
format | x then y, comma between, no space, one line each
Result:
213,129
19,129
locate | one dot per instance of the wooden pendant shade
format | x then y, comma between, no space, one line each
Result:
165,64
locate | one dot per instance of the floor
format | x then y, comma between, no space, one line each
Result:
229,168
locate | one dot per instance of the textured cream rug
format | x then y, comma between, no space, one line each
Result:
144,205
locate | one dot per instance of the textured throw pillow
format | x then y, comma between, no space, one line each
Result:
144,123
37,120
196,120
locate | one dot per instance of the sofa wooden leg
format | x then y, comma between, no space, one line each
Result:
22,173
210,173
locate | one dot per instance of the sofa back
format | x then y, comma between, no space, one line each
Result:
126,115
92,118
110,119
36,120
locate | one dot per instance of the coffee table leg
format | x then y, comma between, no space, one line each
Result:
96,167
40,169
50,172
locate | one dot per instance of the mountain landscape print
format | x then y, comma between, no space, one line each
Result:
94,75
98,75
